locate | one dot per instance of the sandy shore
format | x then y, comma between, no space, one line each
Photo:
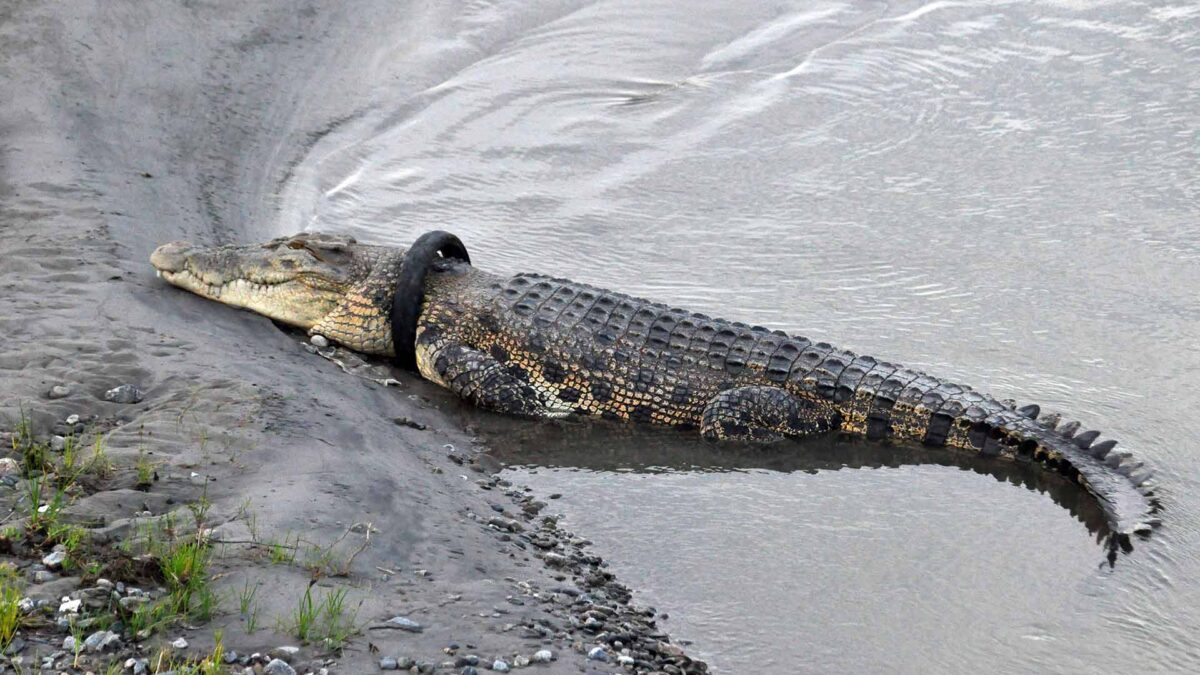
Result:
133,124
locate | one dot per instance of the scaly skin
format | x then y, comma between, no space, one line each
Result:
541,347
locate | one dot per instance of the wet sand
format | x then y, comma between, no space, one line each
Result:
130,125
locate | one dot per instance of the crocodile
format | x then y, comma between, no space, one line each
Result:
542,347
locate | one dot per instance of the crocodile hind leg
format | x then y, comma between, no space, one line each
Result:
484,381
764,414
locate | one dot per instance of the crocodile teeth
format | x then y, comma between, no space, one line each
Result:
1084,440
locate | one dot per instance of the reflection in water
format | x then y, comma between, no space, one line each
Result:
602,446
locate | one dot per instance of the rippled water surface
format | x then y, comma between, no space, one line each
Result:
1002,193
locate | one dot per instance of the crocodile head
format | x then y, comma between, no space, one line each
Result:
325,284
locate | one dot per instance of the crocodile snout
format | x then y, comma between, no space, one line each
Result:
171,257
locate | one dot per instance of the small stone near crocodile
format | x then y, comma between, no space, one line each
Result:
278,667
126,393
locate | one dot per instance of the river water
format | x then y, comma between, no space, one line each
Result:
1001,193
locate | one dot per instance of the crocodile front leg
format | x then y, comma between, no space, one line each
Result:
764,414
485,381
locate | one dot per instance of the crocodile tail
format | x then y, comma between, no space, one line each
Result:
1121,485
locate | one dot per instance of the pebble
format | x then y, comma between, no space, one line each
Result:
626,660
69,606
284,653
500,666
69,643
598,654
72,419
405,623
406,422
126,393
102,640
180,644
9,466
15,647
54,559
319,341
58,443
405,663
542,656
389,663
132,602
278,667
521,661
59,391
469,670
26,605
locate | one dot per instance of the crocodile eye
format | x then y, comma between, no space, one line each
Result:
302,245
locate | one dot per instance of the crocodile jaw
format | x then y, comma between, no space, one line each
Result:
284,283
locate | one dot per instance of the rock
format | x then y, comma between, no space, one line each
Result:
231,656
284,653
469,670
278,667
404,663
319,341
54,559
126,393
72,419
404,623
26,605
542,656
506,524
674,651
406,422
626,660
43,576
14,647
9,466
70,606
58,391
521,661
58,443
389,663
69,644
102,640
105,584
500,666
132,602
598,654
180,644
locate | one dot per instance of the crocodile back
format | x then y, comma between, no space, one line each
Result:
617,355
